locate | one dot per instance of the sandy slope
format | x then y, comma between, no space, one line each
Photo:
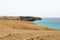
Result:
16,34
17,24
22,30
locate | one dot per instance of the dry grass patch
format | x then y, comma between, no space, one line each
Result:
17,24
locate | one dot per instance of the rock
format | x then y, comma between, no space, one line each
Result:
23,18
27,18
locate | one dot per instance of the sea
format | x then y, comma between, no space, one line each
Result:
49,22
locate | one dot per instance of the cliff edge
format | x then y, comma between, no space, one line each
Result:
23,18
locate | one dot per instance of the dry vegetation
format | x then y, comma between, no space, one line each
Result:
14,34
17,24
23,30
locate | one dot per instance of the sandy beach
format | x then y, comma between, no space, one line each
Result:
23,30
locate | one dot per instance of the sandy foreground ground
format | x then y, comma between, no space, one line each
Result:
13,34
21,30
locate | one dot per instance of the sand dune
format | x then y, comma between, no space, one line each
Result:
23,30
16,34
17,24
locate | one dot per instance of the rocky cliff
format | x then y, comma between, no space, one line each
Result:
24,18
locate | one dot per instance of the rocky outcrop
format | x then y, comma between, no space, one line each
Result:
24,18
27,18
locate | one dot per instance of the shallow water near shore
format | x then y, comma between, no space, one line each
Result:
49,22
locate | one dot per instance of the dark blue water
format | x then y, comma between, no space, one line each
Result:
49,22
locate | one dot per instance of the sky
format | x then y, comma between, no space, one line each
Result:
40,8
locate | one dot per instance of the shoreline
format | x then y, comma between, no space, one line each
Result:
24,30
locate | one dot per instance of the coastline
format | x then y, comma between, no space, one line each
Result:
17,24
24,30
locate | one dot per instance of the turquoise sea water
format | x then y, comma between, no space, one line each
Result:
49,22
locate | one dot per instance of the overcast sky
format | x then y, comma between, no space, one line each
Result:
42,8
